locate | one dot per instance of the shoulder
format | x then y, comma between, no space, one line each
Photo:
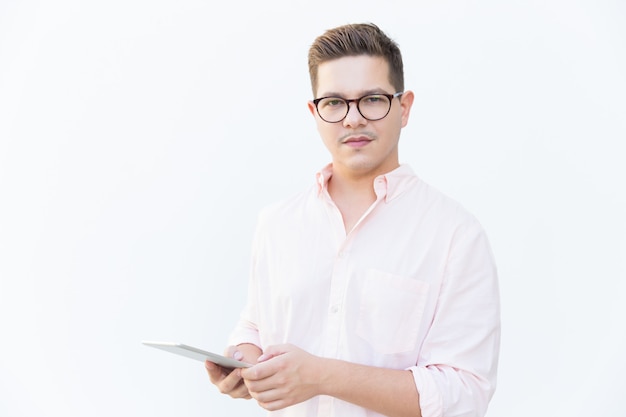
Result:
430,199
421,195
435,210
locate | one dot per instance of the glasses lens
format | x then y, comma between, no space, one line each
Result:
332,109
374,107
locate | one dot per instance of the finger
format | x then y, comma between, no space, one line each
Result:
240,391
270,400
233,385
265,357
254,373
273,351
273,405
216,372
276,350
262,370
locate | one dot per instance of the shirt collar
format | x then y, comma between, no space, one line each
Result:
389,185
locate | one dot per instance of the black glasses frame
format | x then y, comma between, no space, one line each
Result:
390,97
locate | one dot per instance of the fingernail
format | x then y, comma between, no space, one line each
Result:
238,355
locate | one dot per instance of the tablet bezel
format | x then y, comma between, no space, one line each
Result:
197,354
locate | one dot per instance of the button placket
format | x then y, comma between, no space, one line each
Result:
339,282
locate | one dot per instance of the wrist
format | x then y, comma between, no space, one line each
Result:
326,375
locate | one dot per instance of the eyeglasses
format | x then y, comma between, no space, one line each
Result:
372,107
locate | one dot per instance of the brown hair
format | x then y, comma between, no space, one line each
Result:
354,40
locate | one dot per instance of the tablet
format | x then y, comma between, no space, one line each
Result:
198,354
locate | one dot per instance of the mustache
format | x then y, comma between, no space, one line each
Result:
367,134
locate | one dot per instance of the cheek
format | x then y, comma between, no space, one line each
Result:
392,133
325,131
328,143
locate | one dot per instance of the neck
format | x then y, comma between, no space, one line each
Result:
346,182
352,187
352,194
361,189
352,183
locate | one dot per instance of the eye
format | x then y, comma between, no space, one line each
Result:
375,99
332,102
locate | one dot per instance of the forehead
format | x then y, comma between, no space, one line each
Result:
353,75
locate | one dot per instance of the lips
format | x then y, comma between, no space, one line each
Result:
357,141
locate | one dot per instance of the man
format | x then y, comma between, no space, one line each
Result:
371,293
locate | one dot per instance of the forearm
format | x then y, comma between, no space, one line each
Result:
387,391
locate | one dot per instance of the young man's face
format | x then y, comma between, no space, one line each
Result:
360,147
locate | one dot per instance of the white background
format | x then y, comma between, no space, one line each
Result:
139,139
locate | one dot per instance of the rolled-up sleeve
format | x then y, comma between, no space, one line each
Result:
457,367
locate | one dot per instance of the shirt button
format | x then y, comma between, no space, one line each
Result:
334,309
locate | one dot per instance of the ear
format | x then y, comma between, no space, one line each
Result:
311,108
406,101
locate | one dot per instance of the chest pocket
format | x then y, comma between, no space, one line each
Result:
391,311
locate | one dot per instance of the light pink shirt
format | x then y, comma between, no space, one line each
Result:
412,286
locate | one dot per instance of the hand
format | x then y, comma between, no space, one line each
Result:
284,375
229,381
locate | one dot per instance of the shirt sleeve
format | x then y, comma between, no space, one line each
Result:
456,370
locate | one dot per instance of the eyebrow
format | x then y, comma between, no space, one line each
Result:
361,94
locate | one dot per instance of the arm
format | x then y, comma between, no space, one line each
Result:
286,375
455,372
457,368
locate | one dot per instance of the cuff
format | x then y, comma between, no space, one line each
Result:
431,402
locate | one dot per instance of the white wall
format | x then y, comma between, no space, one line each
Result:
138,142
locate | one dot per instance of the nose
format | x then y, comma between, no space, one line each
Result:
354,117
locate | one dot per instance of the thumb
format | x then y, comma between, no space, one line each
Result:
272,351
233,352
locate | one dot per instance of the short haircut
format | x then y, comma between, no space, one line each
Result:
354,40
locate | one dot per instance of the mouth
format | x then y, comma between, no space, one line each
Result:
357,141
